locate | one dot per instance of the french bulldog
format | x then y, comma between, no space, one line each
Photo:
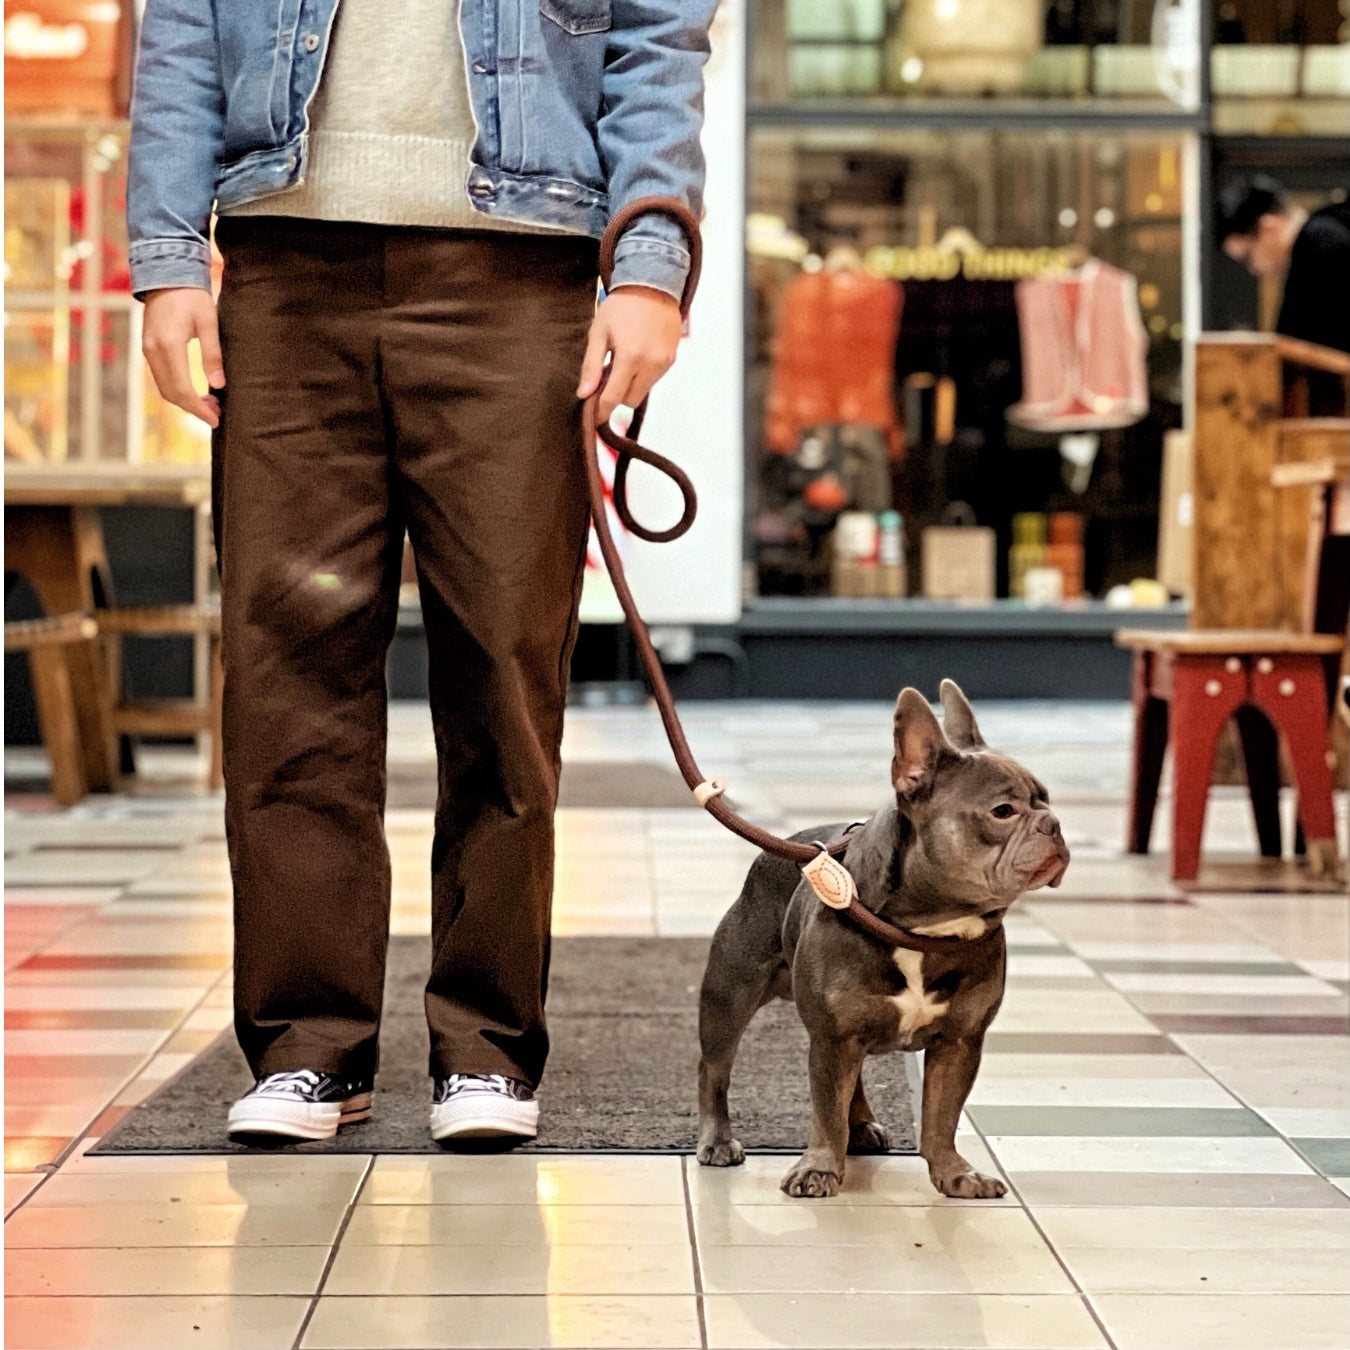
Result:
966,831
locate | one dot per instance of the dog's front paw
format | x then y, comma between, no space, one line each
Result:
721,1153
806,1182
968,1185
868,1136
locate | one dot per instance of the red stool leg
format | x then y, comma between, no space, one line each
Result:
1291,690
1150,746
1204,696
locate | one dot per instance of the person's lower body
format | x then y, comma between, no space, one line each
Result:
382,379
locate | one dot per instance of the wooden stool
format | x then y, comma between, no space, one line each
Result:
1186,686
170,717
45,641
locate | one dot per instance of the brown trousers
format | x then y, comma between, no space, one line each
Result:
382,378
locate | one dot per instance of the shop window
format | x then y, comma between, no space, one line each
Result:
970,328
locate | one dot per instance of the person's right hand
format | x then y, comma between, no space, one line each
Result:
173,317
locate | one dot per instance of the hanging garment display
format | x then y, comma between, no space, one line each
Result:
834,361
1083,350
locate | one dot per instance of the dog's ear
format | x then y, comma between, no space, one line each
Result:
958,720
919,744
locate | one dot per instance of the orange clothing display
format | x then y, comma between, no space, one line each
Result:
835,357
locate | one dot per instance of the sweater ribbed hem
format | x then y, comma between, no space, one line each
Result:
384,180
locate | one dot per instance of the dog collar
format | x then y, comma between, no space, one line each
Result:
835,887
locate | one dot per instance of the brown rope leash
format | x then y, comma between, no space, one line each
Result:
832,882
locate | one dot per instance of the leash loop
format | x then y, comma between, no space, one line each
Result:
627,449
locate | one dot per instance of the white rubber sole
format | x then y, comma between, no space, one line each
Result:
296,1120
484,1115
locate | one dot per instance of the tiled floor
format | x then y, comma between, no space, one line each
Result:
1166,1091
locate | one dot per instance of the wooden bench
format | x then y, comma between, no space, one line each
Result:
46,642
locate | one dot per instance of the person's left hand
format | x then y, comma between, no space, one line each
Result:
642,327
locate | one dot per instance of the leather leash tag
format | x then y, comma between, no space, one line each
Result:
831,881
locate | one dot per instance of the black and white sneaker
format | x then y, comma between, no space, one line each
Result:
483,1106
303,1104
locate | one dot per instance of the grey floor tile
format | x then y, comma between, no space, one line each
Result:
1331,1157
1075,1043
1198,1122
1202,1189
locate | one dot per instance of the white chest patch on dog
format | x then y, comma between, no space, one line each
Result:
970,928
917,1007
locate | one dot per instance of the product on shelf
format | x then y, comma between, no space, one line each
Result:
855,554
894,583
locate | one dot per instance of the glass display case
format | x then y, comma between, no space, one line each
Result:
76,386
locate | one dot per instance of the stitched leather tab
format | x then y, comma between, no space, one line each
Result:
831,881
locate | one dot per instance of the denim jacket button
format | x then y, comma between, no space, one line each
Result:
291,161
311,41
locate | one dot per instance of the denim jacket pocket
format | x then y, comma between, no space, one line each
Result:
578,16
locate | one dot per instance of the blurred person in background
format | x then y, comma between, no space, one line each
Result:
1261,229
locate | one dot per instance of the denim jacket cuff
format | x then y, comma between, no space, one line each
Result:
643,261
157,264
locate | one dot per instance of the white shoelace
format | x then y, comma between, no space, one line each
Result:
297,1083
497,1084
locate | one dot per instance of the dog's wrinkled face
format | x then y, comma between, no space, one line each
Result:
983,829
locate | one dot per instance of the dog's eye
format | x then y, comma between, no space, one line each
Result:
1003,811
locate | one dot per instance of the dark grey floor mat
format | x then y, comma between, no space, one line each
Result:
621,1077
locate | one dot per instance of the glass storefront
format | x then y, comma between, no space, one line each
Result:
978,239
978,242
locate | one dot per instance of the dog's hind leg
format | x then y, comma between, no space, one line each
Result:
735,987
865,1133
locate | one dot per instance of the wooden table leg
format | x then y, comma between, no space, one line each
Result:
56,711
59,549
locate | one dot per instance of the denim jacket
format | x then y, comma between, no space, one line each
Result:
581,106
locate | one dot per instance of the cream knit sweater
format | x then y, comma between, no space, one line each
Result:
391,125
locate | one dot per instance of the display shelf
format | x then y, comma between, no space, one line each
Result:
834,614
991,114
31,300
